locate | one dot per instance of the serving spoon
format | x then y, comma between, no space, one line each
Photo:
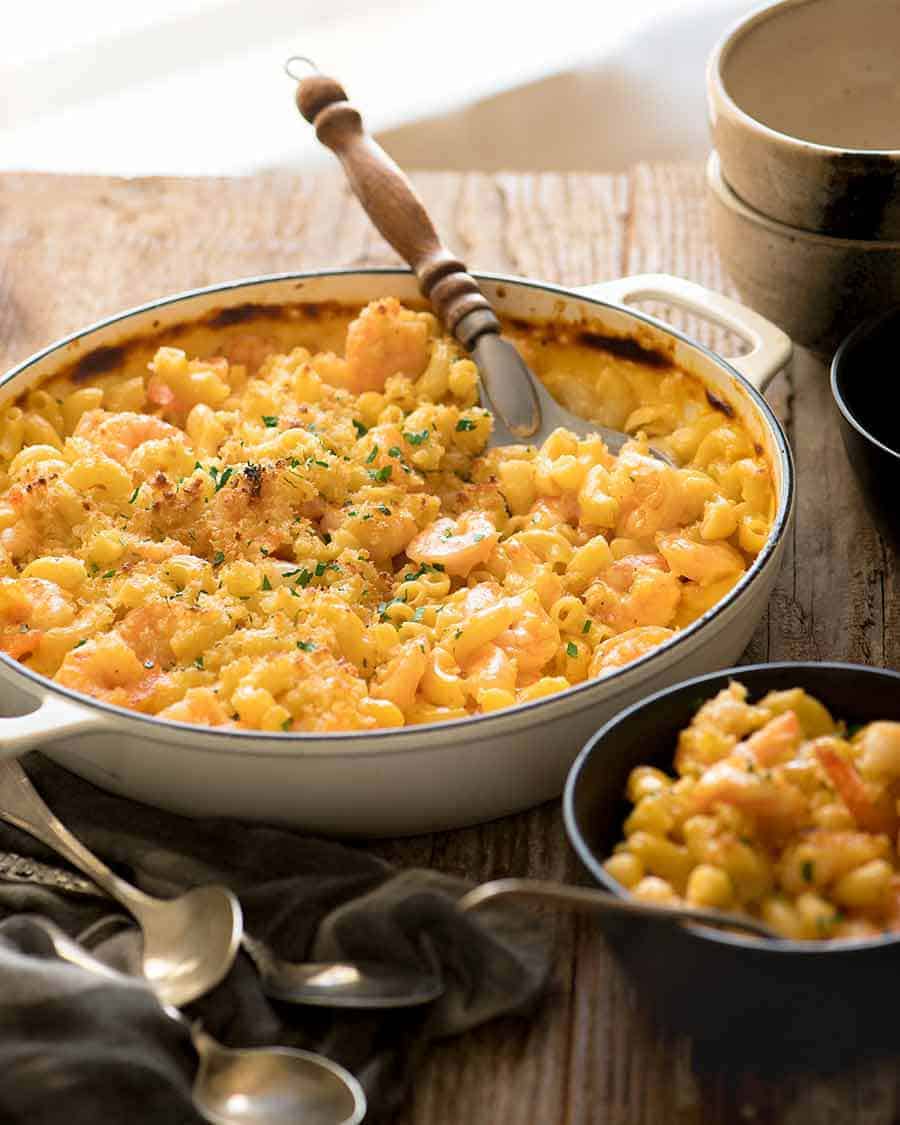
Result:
523,409
251,1085
190,942
591,900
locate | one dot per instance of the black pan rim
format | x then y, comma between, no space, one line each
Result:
843,358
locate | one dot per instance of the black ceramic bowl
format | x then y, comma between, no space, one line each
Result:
761,995
865,383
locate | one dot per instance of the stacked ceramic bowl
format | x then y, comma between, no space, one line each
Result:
804,181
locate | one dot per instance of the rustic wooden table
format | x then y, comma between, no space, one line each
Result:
75,249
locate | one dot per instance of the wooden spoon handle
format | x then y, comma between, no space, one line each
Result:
395,208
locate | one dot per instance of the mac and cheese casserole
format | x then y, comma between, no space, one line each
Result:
778,811
276,536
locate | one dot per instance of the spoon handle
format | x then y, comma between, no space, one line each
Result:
589,899
20,805
395,208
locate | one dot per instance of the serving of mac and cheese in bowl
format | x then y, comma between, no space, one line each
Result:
766,790
257,557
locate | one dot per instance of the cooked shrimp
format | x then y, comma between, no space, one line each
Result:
775,805
118,435
774,743
34,602
385,339
652,495
550,511
399,679
533,638
456,545
636,590
622,649
700,562
870,805
490,667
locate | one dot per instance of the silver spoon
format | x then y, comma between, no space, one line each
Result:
190,942
251,1085
375,985
589,899
324,984
523,408
342,984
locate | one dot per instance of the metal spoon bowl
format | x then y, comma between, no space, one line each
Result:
251,1085
190,942
357,984
271,1085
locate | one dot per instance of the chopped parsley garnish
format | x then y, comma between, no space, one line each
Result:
807,870
321,464
572,649
198,662
223,479
361,430
306,646
372,455
270,420
586,627
385,511
218,558
381,475
417,439
425,568
394,451
320,569
291,573
303,577
108,574
464,424
78,644
385,606
286,725
266,584
134,495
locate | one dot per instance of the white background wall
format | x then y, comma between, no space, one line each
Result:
196,86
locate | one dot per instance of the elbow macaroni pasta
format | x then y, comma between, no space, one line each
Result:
778,812
294,539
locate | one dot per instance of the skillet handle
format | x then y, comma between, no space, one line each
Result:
54,718
393,205
770,348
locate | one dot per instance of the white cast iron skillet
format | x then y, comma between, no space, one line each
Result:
423,778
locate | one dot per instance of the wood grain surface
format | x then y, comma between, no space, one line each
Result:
73,249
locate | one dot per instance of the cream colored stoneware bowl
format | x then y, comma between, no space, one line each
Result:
804,104
815,287
417,779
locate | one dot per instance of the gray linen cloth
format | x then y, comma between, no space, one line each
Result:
77,1050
